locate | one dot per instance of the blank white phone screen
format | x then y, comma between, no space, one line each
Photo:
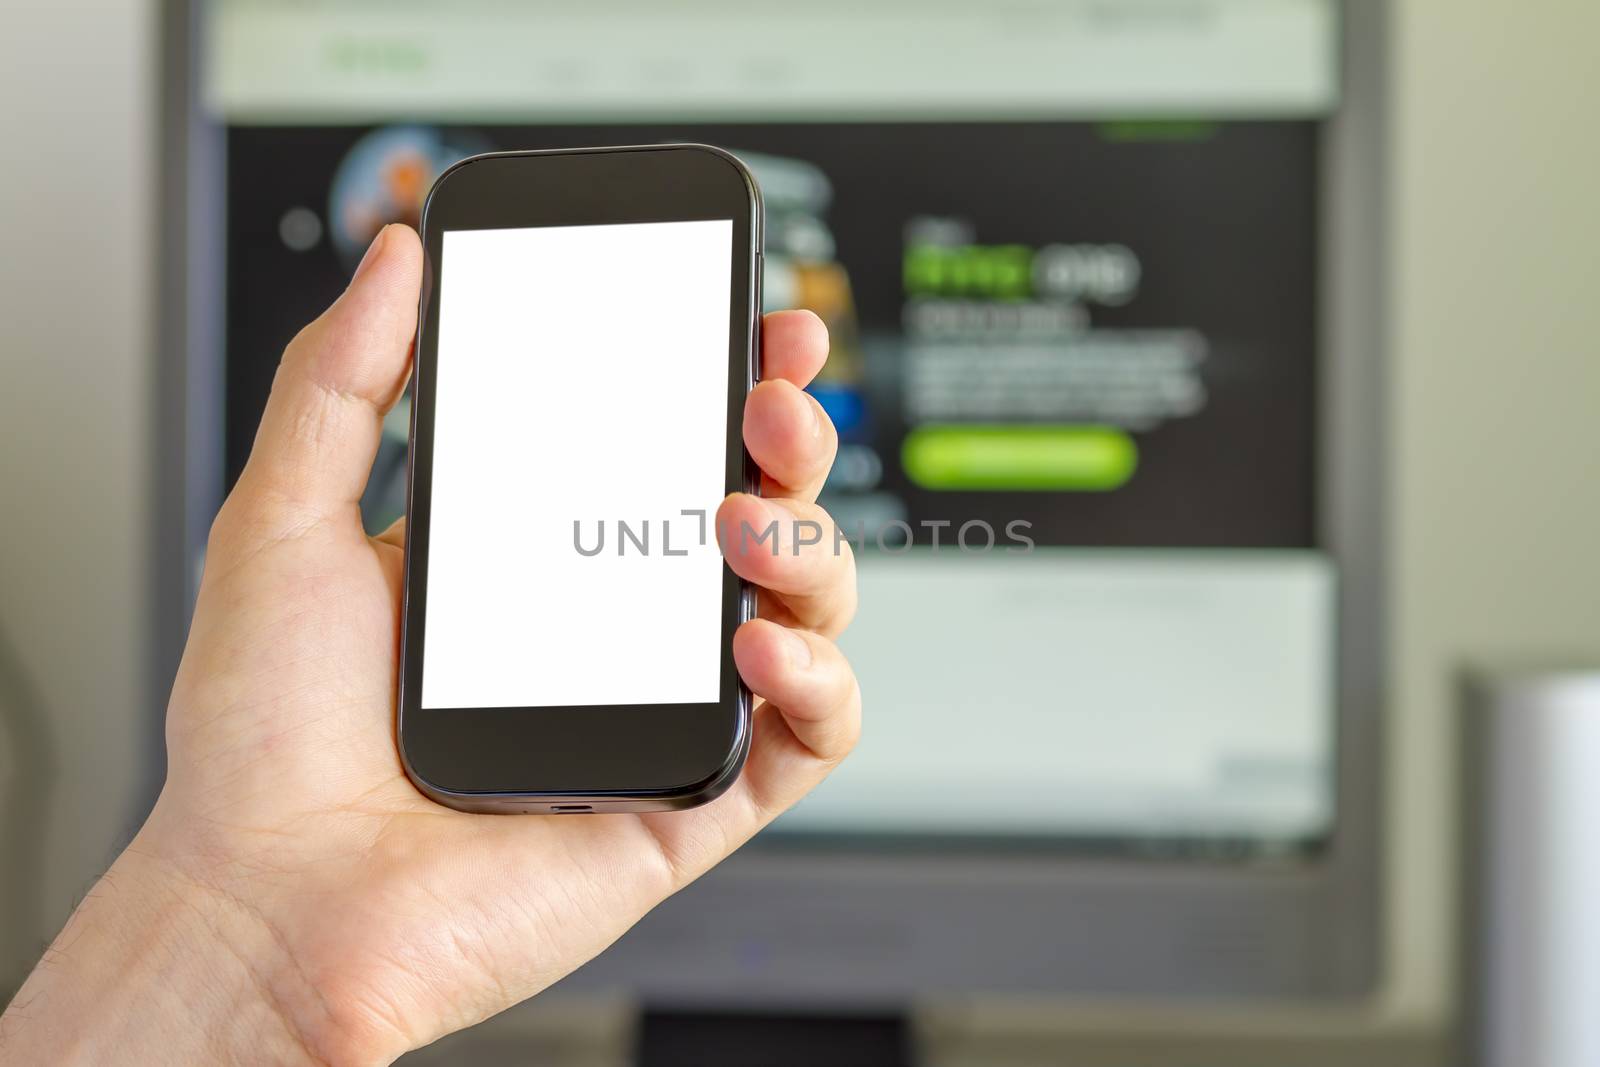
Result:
581,387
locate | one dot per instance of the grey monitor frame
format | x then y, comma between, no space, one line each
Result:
853,927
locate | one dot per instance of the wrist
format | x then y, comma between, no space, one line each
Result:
155,966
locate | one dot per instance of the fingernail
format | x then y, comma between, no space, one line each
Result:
799,651
367,259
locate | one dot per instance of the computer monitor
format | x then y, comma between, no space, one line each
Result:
1097,283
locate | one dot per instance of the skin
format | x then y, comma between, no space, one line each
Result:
292,897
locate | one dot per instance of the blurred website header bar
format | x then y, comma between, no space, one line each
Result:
1046,59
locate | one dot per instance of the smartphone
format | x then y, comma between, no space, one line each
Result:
587,333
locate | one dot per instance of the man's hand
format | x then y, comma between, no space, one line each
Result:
292,895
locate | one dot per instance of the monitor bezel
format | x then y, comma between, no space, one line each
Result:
863,928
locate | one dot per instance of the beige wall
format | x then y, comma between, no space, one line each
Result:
1495,328
76,285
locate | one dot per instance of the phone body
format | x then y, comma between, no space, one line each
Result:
588,330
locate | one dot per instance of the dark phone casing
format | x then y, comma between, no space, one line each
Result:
631,758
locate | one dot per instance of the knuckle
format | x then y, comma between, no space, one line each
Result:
852,732
256,512
830,432
845,731
845,688
847,595
224,526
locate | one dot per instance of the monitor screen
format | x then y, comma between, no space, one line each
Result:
1074,374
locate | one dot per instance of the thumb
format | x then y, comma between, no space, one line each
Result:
323,422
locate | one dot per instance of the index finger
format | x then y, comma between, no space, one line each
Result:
794,346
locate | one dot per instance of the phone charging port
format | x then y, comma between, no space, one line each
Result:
570,809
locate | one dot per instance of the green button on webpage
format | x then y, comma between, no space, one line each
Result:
1034,458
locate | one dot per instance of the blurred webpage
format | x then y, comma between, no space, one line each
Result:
1071,299
1162,694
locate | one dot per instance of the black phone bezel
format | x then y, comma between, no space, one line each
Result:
601,758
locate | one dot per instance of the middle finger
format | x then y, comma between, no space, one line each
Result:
792,550
791,439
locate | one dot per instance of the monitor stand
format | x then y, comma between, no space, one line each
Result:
740,1039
